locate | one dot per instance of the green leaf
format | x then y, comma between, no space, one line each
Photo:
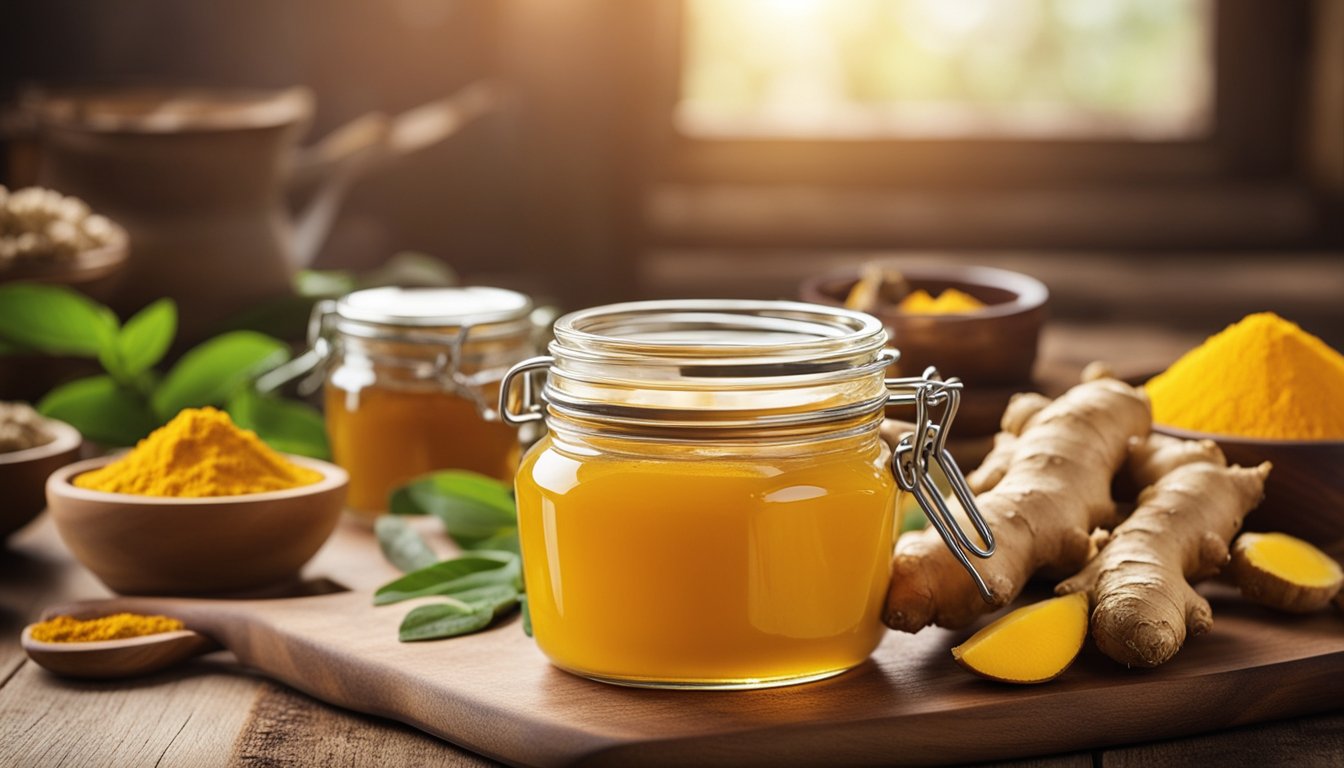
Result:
505,541
401,503
143,340
478,569
446,619
323,283
285,425
214,371
497,597
54,320
473,507
402,545
101,409
527,614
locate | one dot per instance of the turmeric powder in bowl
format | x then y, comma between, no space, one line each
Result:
200,453
1263,377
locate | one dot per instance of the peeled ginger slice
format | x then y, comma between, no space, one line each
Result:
1279,571
1033,644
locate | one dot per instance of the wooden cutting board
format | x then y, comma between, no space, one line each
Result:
494,692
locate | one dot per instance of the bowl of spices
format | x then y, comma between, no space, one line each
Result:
31,448
50,237
198,507
981,322
1264,389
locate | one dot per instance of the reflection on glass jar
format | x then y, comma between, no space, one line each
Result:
713,506
413,377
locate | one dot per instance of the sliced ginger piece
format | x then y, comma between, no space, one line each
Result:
1282,572
1033,644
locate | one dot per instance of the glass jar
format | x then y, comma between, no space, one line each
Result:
412,375
713,506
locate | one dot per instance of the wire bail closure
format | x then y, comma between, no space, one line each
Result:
530,407
910,462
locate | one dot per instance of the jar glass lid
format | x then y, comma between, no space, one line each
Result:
433,307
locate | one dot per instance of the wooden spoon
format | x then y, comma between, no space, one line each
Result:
110,659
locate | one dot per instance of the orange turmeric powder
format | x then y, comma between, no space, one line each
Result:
1262,377
199,453
949,302
68,629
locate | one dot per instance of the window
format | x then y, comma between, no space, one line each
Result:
946,68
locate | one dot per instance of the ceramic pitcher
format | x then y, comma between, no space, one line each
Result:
200,180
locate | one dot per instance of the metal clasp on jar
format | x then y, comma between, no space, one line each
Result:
916,451
527,407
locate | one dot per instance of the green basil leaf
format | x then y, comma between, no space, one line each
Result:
214,371
527,614
285,425
145,338
402,545
473,507
401,503
54,320
101,409
324,283
476,570
504,541
497,597
440,620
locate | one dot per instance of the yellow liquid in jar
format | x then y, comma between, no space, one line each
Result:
702,571
386,437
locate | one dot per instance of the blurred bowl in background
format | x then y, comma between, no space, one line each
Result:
23,476
1304,495
94,272
992,350
170,546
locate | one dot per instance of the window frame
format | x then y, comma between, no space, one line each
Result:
1256,47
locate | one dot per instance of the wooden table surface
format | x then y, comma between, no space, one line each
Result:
208,712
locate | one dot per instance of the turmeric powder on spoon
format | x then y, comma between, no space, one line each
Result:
199,453
118,626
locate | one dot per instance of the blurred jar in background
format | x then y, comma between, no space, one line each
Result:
412,380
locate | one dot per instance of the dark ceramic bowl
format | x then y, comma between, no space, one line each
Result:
1304,495
993,350
995,346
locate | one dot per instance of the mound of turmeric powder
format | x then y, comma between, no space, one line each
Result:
1262,377
199,453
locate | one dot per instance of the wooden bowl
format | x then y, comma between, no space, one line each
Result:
23,476
95,272
1304,496
170,546
995,346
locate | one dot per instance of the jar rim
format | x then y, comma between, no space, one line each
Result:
699,329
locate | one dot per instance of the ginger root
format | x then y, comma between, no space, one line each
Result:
1282,572
1140,582
1033,644
1053,489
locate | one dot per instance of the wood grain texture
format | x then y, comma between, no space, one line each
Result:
187,717
288,728
1310,741
495,694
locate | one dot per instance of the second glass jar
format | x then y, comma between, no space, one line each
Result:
412,381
